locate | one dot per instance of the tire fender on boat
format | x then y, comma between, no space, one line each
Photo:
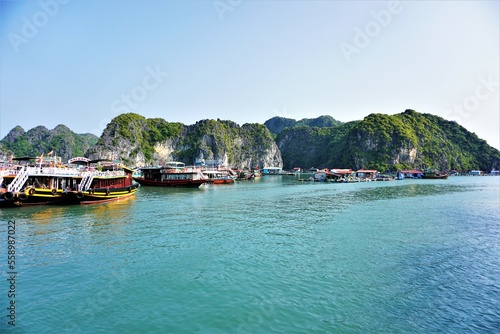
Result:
107,192
129,189
54,191
31,192
23,196
8,196
79,195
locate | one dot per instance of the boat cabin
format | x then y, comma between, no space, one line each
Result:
409,174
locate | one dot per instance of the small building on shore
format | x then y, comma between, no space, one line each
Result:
367,174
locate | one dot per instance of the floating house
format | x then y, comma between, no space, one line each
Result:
476,173
343,172
271,170
324,175
333,175
367,174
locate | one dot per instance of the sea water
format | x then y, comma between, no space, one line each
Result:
273,255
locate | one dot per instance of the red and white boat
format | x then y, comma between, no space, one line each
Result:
39,184
218,177
173,174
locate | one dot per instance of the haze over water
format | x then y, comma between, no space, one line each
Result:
274,255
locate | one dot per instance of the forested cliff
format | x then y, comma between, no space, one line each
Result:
388,142
379,141
138,141
61,140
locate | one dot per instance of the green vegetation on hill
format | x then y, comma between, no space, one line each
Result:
135,134
278,124
135,139
379,141
64,142
321,122
385,142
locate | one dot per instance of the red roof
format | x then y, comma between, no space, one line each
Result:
366,171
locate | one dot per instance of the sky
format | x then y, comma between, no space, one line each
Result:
82,63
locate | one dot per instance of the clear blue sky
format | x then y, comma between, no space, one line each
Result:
81,63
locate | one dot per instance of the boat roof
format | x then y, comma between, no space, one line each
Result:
175,163
411,171
99,160
79,161
24,158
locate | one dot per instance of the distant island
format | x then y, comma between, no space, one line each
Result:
384,142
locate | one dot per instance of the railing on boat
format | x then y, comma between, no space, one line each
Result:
70,172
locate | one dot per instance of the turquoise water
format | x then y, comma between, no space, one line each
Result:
274,255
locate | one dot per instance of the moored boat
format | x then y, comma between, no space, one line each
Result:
174,174
218,177
433,174
43,185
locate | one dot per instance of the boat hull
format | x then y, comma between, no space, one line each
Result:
35,196
186,183
435,177
221,181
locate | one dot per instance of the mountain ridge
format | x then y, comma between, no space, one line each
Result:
61,139
379,141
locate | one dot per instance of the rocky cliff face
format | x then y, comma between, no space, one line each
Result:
379,141
139,141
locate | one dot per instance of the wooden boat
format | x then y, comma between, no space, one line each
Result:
174,174
245,175
218,177
44,185
434,175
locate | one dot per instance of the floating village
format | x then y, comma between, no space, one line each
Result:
28,181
